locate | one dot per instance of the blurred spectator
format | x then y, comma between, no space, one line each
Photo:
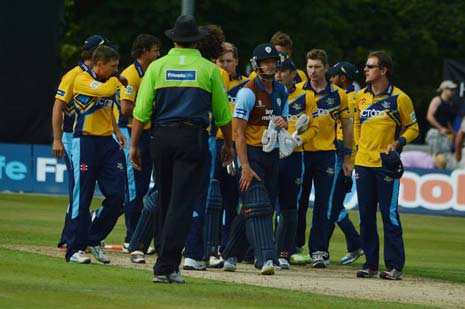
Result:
441,115
421,159
459,141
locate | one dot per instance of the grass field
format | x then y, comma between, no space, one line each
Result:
435,249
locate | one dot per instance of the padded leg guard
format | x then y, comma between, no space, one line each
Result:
237,244
259,225
213,219
285,232
143,233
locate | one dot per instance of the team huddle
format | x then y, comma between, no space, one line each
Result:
233,157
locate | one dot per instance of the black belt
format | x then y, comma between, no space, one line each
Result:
179,124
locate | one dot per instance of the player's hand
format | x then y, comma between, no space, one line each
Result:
443,131
121,139
347,166
123,80
58,149
227,155
135,158
247,175
280,122
393,147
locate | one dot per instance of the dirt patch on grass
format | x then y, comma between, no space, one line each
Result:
335,280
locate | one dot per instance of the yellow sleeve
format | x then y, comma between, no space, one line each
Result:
130,91
357,119
65,89
344,111
311,109
85,84
302,75
408,118
225,78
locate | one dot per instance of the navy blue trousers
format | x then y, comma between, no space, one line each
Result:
96,159
375,188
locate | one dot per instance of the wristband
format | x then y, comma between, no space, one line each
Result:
347,151
402,141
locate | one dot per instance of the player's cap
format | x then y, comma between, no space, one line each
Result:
392,164
288,64
185,30
447,84
345,68
96,40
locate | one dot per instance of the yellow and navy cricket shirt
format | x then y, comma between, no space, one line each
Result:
133,74
93,103
65,94
302,102
331,105
378,122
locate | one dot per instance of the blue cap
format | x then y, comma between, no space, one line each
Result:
265,51
345,68
96,40
288,64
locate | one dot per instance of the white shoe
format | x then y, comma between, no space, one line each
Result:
191,264
352,256
283,263
79,257
267,268
320,259
137,257
215,262
151,251
125,248
230,264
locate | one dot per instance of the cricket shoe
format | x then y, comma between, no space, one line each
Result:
99,254
283,263
151,251
174,277
230,264
191,264
125,248
391,274
300,259
79,257
267,268
320,259
352,256
137,257
215,262
366,273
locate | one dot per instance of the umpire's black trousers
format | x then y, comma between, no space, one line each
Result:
182,167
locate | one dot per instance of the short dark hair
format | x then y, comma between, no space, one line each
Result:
104,54
384,60
211,46
142,43
282,39
318,54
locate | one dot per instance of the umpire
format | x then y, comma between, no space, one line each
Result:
176,94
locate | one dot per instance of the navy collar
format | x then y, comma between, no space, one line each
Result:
139,68
308,86
83,66
387,91
292,89
350,89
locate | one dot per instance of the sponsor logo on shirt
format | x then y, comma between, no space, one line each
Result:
371,113
181,75
129,90
94,84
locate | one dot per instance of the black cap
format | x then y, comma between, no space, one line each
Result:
96,40
345,68
288,64
392,164
185,30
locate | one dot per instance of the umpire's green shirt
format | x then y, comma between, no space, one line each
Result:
182,86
